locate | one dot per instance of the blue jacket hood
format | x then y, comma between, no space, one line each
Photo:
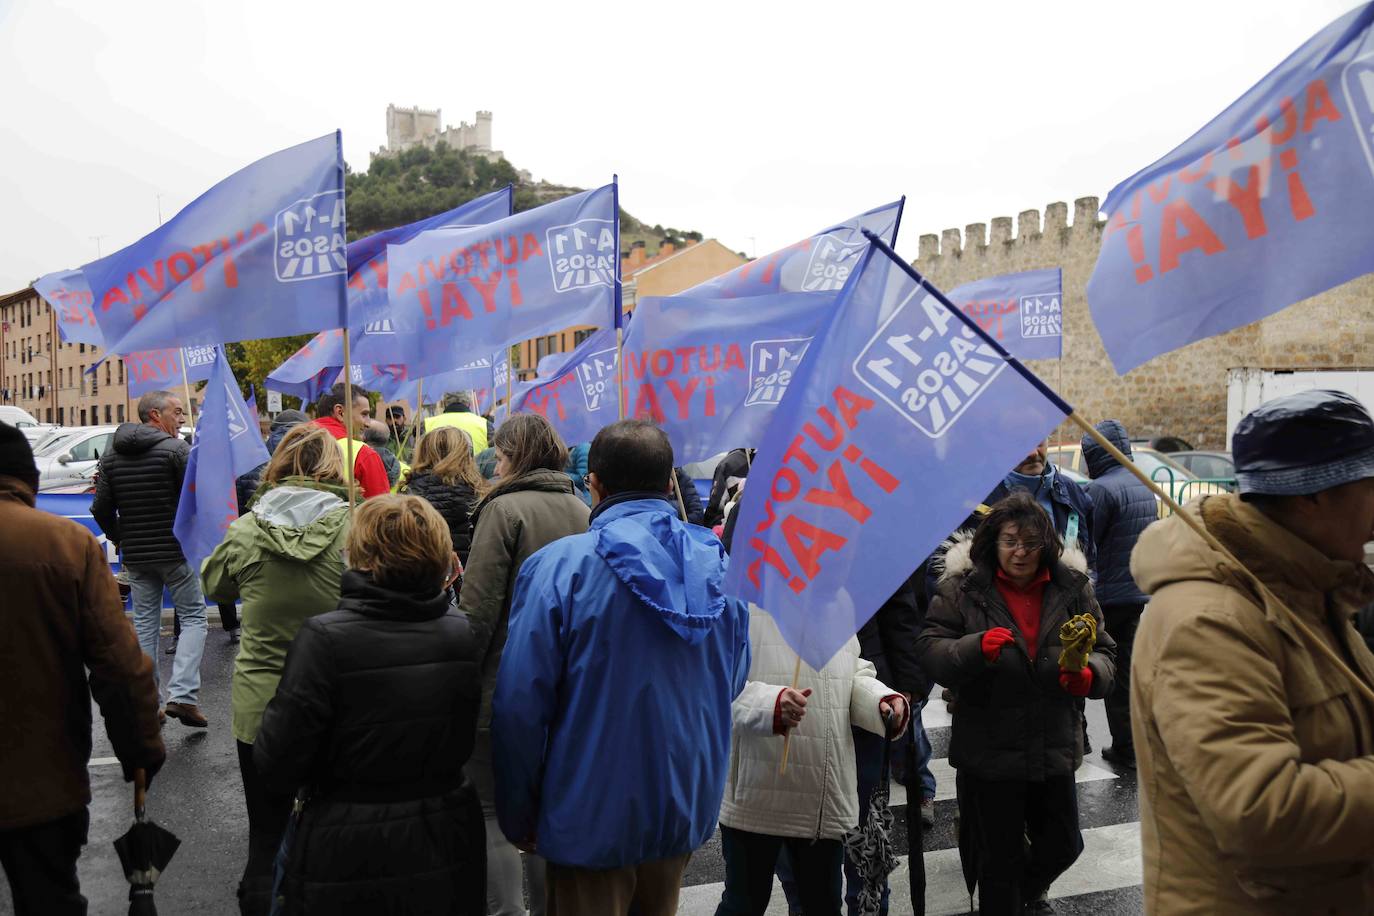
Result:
676,570
1095,456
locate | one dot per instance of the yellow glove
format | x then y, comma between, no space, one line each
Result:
1078,635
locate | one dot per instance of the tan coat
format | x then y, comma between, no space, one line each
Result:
63,640
1256,774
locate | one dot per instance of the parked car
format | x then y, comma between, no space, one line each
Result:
63,458
1216,466
1180,483
16,416
1168,444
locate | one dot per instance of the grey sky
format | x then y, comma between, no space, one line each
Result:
756,123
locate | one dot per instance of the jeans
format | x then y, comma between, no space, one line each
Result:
40,862
268,812
1003,815
1121,621
749,862
145,585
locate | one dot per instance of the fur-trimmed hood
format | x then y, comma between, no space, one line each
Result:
957,558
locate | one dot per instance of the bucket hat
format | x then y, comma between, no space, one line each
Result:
1303,443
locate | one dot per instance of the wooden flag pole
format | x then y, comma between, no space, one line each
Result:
1201,531
414,431
351,470
677,492
787,737
186,390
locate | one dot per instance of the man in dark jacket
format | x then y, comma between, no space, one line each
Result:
1123,508
639,585
733,468
63,623
136,496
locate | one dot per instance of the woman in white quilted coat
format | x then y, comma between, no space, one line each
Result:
808,807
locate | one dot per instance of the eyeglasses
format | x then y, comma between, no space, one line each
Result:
1013,545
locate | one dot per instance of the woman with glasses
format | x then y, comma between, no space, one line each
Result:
992,636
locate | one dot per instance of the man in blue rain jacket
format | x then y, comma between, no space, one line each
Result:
612,714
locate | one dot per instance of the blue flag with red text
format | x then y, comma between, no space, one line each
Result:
153,370
227,445
457,294
369,309
1265,206
148,370
312,369
1023,312
580,396
894,428
70,297
710,369
261,254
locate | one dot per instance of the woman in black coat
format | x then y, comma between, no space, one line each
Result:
445,475
992,635
372,722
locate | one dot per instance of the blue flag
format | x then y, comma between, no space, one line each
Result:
710,370
153,370
148,370
369,309
893,429
261,254
312,369
457,294
1023,312
1265,206
227,445
70,297
580,397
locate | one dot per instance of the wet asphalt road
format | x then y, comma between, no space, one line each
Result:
198,796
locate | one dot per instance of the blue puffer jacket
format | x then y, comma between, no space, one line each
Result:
612,714
1123,507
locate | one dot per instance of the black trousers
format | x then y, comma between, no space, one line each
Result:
229,615
1122,621
1003,815
268,813
40,862
749,862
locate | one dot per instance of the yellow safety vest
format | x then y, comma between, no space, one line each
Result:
470,423
348,466
401,477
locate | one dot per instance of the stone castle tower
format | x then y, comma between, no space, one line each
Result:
1182,393
407,127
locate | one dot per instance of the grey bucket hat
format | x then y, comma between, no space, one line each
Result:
1303,443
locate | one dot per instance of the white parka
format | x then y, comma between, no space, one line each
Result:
817,796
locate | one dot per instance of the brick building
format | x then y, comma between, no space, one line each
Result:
47,377
1182,393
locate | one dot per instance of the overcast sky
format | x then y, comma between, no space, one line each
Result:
756,123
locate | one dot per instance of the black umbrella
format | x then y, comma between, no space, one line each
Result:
915,830
144,852
869,846
970,850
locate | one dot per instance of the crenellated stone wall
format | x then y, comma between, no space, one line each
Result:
1181,393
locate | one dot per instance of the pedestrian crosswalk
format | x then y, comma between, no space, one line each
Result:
1105,879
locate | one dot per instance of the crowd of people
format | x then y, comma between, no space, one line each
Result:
473,659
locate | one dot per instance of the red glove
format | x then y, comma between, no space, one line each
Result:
994,640
1076,683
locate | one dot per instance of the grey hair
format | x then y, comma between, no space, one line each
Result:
376,434
153,400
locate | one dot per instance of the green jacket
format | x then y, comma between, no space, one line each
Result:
284,560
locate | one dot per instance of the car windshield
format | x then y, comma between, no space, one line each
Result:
1150,462
55,444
